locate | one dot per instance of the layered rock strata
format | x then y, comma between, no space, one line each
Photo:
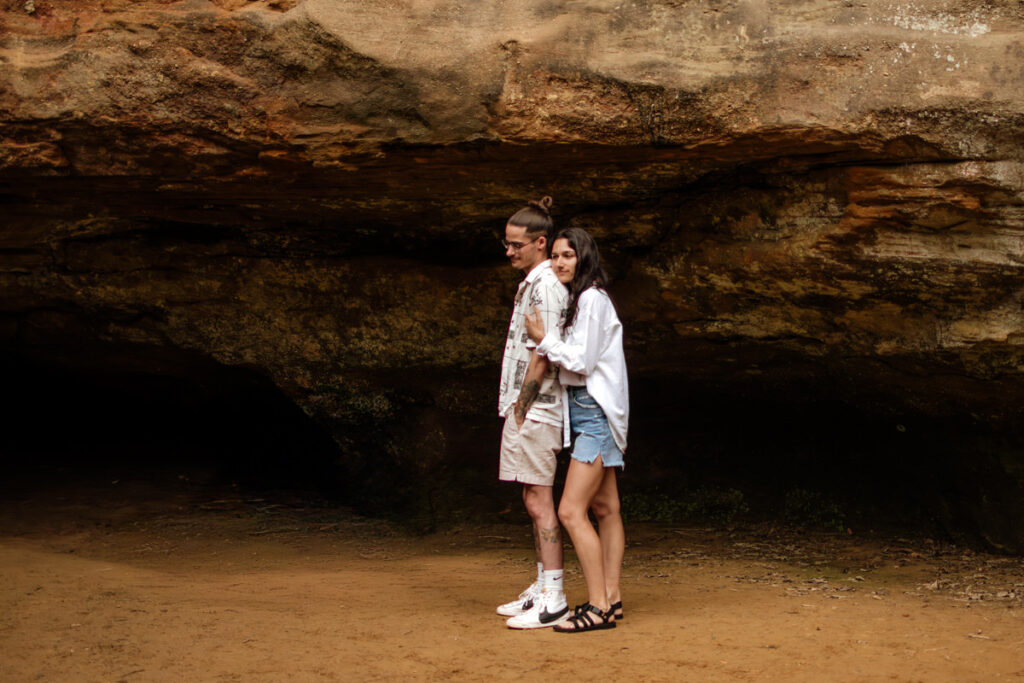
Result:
799,201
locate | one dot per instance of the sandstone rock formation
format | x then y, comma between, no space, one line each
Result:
802,203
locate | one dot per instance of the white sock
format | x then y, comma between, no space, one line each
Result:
552,580
540,574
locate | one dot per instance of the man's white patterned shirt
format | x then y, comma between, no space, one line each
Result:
539,288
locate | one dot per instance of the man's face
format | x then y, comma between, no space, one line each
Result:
523,251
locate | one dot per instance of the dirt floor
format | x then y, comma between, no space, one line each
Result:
157,579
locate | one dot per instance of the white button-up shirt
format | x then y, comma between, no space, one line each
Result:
540,288
591,356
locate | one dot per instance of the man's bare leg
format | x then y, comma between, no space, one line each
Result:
550,607
547,533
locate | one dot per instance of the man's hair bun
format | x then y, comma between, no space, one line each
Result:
535,217
543,205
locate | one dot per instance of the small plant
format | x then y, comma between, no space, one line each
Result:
717,506
812,510
649,507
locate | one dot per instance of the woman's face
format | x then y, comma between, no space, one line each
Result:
563,260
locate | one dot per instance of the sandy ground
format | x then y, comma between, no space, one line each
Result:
153,580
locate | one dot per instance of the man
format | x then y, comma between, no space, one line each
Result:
530,402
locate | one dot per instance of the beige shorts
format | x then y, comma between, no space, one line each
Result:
528,452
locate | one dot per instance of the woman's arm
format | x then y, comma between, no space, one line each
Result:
580,352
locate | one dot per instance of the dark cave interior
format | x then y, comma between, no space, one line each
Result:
713,455
725,429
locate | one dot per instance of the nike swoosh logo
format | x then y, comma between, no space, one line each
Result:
546,617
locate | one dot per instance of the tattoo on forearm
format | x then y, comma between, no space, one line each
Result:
552,535
527,395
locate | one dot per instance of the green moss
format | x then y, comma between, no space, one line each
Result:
352,404
812,510
711,505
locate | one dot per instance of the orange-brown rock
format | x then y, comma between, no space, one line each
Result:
803,204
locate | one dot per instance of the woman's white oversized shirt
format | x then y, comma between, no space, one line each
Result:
591,355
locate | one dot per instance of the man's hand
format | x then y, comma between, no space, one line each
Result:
535,325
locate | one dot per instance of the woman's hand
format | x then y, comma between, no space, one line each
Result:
535,325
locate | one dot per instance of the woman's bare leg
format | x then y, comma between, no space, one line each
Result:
607,509
581,485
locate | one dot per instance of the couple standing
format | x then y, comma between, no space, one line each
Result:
563,375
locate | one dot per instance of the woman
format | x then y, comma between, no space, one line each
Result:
593,374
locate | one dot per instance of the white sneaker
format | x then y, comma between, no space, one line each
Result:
548,609
522,603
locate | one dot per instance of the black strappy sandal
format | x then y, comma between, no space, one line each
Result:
616,609
582,620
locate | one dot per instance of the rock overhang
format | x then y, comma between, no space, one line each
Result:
794,202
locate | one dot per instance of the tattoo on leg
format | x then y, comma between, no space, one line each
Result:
552,535
536,540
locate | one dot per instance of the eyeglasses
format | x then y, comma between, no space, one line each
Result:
516,246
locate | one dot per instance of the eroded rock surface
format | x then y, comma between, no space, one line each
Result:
800,202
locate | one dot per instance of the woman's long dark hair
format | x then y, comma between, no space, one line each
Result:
589,272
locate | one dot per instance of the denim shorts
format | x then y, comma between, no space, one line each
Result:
591,434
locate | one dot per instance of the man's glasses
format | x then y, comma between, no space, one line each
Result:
516,246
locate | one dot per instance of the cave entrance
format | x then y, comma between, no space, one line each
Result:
157,415
816,454
801,453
